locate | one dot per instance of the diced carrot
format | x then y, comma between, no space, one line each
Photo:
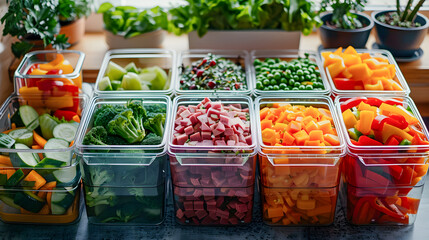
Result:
76,118
38,180
286,221
282,117
295,127
39,139
36,147
288,139
280,127
13,125
311,111
269,136
45,210
316,135
301,137
264,112
71,143
312,143
325,126
47,187
306,204
320,210
275,212
350,50
5,160
332,139
48,198
311,126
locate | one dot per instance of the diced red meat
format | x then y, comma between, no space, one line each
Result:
193,119
197,193
188,205
248,140
225,120
185,113
182,139
216,105
206,136
199,205
189,213
192,108
201,214
228,132
189,130
195,182
180,129
179,213
196,137
211,121
230,143
185,122
220,127
220,143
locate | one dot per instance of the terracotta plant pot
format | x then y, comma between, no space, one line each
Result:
402,42
74,30
152,39
337,37
245,39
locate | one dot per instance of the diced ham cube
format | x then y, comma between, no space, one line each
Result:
216,105
196,137
220,143
216,132
225,120
239,123
201,213
207,142
206,100
189,130
240,138
192,108
234,138
206,135
205,128
185,113
193,119
182,139
189,213
177,121
180,129
230,143
211,121
236,106
197,193
239,207
197,127
185,122
232,114
202,118
220,127
245,110
228,132
248,139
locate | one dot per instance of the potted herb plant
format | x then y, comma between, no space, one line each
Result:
130,27
401,31
35,25
244,24
72,15
346,25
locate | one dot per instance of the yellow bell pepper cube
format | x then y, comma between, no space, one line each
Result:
366,118
350,50
346,73
349,118
389,130
331,58
387,109
360,71
395,86
351,59
372,63
374,87
387,85
382,72
336,68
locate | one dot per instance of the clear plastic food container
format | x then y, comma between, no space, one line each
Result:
124,184
142,59
399,78
384,180
49,177
50,74
288,55
186,58
203,175
299,183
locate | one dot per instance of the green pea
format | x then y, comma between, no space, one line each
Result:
296,78
290,67
301,87
307,77
291,82
270,87
270,76
283,80
276,87
259,85
257,62
299,72
317,72
295,88
265,69
277,76
297,84
266,89
273,82
270,61
308,87
266,82
283,86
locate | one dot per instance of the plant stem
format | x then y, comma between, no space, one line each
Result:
398,7
407,8
415,10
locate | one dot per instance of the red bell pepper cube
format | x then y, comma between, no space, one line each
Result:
393,101
367,141
412,204
67,115
352,102
374,102
380,120
378,204
346,83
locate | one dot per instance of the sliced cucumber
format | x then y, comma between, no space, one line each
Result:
23,136
8,201
6,141
15,179
47,166
131,67
33,125
47,125
114,71
58,143
66,131
57,210
28,114
104,84
115,84
65,175
29,201
62,199
24,159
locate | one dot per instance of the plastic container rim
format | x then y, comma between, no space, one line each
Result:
135,53
282,53
74,74
172,148
201,53
406,89
405,99
56,190
297,100
120,100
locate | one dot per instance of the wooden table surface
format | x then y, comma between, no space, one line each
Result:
416,73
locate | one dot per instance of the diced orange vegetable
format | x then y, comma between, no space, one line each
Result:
374,87
336,68
332,139
306,204
360,71
5,160
288,139
366,118
349,118
301,137
316,135
351,59
76,118
38,180
275,212
350,50
266,124
325,126
39,139
269,136
47,187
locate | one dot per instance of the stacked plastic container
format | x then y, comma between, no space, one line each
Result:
123,184
300,184
382,183
38,185
40,181
213,184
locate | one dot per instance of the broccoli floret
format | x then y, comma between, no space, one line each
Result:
101,176
115,140
155,124
106,113
126,126
152,139
99,196
139,112
95,136
155,108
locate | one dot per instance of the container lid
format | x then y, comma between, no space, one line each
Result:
142,57
200,150
287,55
301,155
12,104
375,150
75,58
121,154
373,52
186,58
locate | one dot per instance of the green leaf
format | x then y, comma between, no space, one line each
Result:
21,48
105,7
